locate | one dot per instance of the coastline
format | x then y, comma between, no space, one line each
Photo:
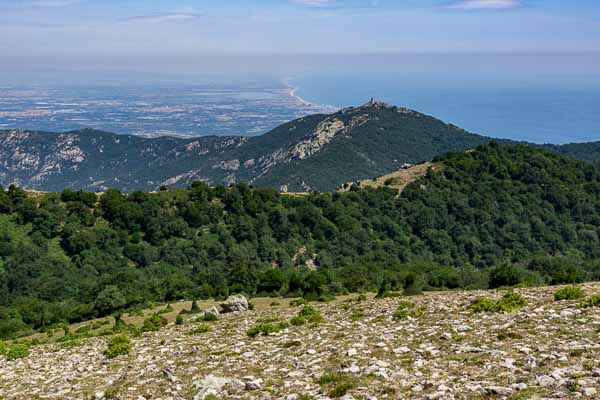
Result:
293,92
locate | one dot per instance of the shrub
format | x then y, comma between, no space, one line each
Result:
357,315
179,320
388,294
83,329
15,351
154,323
118,345
208,317
195,307
361,297
199,330
293,343
593,301
405,309
100,324
569,293
339,384
298,302
165,310
507,275
308,314
483,304
266,329
511,301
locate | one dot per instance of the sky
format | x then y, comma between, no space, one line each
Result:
119,33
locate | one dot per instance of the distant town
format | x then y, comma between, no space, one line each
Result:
175,110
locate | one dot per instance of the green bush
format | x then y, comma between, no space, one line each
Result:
195,308
199,330
266,329
569,293
483,304
14,351
308,314
407,308
388,294
166,310
593,301
338,384
357,315
154,323
118,345
179,320
511,301
208,317
298,302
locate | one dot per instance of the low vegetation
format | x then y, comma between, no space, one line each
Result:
405,309
593,301
509,302
200,330
14,351
337,385
118,345
569,293
154,323
266,329
307,314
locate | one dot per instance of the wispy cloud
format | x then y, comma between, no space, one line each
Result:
315,3
164,17
486,4
54,3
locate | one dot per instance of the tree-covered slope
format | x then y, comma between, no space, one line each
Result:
499,215
589,152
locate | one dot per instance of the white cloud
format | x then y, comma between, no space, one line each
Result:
53,3
315,3
164,17
486,4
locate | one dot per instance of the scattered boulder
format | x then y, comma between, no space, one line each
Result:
255,384
210,386
235,303
499,390
545,381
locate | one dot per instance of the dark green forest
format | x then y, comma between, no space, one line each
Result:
501,215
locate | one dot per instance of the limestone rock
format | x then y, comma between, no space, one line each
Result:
235,303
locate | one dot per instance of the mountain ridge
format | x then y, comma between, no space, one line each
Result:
314,153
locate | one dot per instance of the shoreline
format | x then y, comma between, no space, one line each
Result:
293,92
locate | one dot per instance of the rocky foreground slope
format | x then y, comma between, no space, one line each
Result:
547,349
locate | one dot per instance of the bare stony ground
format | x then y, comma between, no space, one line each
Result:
546,350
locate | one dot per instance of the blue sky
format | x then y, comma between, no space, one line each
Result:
133,27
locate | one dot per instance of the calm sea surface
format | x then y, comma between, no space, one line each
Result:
540,111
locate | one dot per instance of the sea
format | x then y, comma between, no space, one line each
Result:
558,107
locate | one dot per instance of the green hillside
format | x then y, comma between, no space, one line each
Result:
500,215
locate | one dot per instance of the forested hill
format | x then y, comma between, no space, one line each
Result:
582,151
499,215
315,153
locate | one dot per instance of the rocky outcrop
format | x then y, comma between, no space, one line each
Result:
235,303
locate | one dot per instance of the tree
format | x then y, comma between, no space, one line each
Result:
110,299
